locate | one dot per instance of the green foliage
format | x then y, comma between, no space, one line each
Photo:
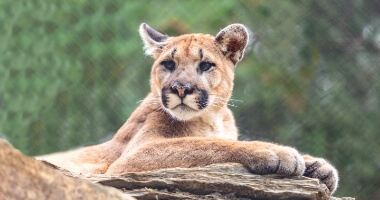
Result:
72,71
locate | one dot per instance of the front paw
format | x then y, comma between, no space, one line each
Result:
322,170
275,159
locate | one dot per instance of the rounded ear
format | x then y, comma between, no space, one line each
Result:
153,40
233,40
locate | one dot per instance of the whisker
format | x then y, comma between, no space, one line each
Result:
236,100
227,99
160,109
149,100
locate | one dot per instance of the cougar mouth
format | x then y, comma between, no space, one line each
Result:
184,107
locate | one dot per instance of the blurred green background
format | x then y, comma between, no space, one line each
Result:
71,72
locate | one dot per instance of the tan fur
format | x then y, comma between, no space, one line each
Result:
185,122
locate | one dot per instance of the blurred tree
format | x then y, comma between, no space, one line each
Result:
72,71
321,92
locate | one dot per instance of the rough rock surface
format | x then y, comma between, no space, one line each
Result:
218,181
26,178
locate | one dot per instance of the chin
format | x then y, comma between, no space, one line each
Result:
183,113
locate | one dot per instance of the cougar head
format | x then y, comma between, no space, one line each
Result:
193,73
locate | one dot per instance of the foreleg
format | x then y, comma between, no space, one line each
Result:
259,157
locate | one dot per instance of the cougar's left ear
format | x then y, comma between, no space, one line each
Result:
153,40
233,40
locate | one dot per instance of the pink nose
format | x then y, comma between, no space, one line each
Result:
181,90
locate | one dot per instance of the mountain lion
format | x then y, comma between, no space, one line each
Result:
184,121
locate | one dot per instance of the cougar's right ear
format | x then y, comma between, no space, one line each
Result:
153,40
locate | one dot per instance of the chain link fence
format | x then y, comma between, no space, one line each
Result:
72,71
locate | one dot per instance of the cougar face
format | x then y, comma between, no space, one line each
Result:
192,74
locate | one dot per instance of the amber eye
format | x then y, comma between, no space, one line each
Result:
168,64
205,66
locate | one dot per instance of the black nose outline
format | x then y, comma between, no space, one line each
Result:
182,89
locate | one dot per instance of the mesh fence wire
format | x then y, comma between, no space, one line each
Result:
72,71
